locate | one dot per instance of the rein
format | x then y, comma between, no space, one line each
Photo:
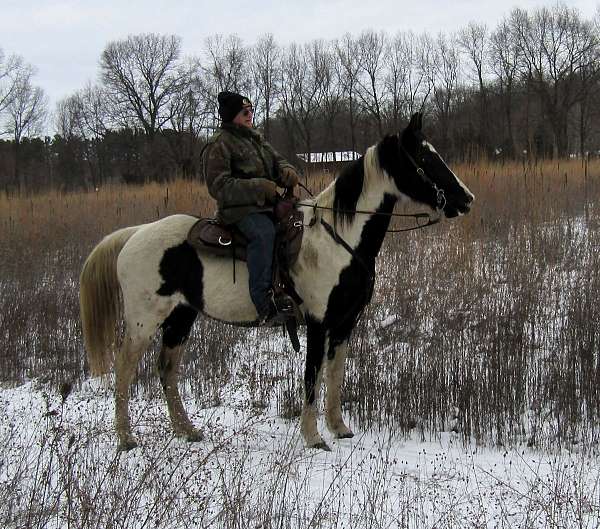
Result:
441,202
430,221
440,198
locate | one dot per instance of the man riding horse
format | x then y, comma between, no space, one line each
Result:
165,283
242,172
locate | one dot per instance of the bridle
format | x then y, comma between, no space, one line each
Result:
440,195
440,202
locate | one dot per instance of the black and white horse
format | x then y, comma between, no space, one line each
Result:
165,283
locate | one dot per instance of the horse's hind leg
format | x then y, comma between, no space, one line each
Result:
334,376
176,329
315,338
126,361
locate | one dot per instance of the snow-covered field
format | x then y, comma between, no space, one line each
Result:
59,468
471,386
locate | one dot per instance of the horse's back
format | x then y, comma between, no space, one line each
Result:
159,269
166,231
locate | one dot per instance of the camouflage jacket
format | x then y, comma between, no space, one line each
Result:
234,161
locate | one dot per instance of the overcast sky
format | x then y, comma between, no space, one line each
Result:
63,39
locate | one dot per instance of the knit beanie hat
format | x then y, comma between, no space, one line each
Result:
230,104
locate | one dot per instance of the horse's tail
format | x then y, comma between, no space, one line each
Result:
99,301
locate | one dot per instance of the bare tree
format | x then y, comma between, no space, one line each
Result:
190,114
11,68
412,71
265,68
141,76
348,71
371,83
396,78
86,116
447,69
25,115
68,118
227,63
190,109
225,67
95,111
473,41
427,66
332,93
588,69
556,45
302,89
504,58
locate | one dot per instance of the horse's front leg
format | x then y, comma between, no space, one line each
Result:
334,376
315,350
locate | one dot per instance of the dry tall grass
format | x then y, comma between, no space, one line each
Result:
496,313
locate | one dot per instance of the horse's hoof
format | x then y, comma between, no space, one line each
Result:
127,444
321,446
345,435
194,437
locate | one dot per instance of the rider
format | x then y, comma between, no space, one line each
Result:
242,173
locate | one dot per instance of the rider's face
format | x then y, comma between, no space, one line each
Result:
244,117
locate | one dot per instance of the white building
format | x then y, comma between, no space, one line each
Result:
326,157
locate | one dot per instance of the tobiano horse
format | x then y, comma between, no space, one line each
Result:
164,283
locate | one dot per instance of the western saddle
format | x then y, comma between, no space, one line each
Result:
207,235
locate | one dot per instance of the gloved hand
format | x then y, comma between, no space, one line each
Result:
289,177
269,188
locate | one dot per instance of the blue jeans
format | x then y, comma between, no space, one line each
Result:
259,229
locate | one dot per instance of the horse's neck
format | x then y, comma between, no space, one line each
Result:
364,231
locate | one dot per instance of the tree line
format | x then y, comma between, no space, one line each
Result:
529,87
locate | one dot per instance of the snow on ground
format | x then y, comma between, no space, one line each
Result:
59,468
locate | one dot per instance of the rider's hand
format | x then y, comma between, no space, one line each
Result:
269,188
289,177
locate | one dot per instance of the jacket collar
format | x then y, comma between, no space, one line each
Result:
243,132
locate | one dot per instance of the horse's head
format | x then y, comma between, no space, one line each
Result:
420,173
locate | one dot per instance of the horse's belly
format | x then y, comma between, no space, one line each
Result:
226,295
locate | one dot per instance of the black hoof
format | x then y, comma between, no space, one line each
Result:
348,435
194,437
321,446
125,446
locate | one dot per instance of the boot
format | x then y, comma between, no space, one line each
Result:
280,310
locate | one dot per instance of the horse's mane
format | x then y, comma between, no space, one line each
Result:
343,194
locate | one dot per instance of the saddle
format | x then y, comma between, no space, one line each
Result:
207,235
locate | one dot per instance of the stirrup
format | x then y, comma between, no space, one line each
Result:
284,305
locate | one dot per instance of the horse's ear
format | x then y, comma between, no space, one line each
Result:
416,122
